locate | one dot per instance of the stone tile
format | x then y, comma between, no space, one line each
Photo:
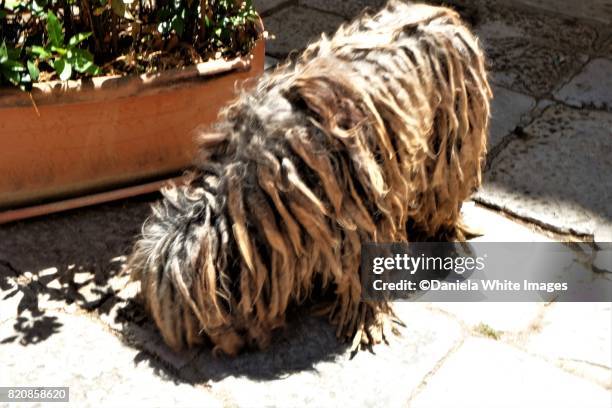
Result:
509,109
526,67
98,368
497,21
530,52
346,8
264,6
494,227
496,29
558,174
385,377
592,87
485,373
603,233
503,317
577,336
598,10
295,27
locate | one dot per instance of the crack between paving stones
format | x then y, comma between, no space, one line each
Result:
434,370
576,360
558,363
518,340
569,234
532,116
570,78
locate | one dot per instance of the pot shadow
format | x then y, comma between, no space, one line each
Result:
61,259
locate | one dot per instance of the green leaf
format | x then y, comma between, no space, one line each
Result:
54,30
63,68
12,76
2,14
3,53
39,7
33,70
119,8
178,25
14,53
59,50
40,51
12,4
82,60
94,70
13,66
78,38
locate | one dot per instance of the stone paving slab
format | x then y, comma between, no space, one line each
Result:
295,27
499,316
598,10
265,6
345,8
532,53
592,87
502,317
523,66
386,377
486,373
99,369
509,109
495,227
558,173
577,336
497,20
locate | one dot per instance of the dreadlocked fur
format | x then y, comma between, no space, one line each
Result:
375,134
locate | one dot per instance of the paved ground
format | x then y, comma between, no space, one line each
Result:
67,319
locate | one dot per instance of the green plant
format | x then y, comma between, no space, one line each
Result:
487,331
64,57
11,68
67,39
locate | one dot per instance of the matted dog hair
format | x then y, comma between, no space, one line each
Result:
377,134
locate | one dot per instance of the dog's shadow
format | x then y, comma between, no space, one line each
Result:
305,341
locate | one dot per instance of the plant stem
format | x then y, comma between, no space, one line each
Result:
87,13
68,23
114,37
203,13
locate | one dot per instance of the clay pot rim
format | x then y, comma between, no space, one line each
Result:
113,86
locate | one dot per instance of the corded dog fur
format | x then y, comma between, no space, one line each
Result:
376,134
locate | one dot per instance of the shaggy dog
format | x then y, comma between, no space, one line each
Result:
376,134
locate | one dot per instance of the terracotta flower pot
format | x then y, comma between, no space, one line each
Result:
84,137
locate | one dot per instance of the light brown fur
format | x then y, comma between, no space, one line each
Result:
376,134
